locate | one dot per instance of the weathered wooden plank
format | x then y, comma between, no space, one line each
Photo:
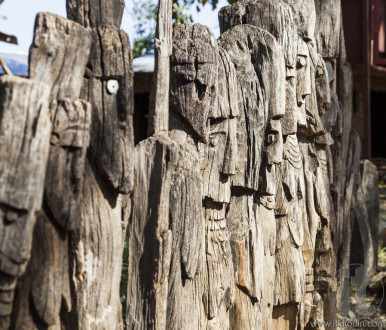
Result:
220,267
290,212
97,246
109,88
277,18
24,136
150,237
46,283
259,63
187,226
365,251
96,255
231,16
24,143
58,55
248,255
159,100
327,29
93,13
24,128
64,181
305,17
218,153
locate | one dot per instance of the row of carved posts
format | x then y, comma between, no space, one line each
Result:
238,205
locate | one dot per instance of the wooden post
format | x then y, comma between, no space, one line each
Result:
159,98
24,143
232,204
96,247
366,89
58,57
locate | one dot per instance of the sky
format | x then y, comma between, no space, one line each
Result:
17,17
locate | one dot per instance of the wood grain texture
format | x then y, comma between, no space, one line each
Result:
96,247
96,255
366,219
305,17
276,17
159,100
24,144
25,126
197,280
93,13
61,63
194,84
58,55
240,204
156,226
262,67
112,132
327,29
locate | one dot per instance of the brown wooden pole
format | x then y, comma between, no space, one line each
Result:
366,90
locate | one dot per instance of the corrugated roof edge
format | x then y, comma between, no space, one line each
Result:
144,64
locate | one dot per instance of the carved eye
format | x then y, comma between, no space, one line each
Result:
112,86
301,62
271,138
51,52
214,139
319,72
11,216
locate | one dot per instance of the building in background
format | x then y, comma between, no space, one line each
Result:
143,79
365,26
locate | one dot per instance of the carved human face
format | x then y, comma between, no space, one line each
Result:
273,155
194,76
289,120
221,151
319,100
69,141
216,185
323,91
298,88
330,116
303,78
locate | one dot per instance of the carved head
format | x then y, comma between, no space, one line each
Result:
303,81
298,88
330,117
194,76
305,16
323,91
220,153
314,108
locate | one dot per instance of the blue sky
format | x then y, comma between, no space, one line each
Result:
20,17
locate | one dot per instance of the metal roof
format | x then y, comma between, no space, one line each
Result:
144,64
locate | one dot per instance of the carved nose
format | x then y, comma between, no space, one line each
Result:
302,99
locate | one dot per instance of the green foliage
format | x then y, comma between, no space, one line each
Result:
382,256
145,15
